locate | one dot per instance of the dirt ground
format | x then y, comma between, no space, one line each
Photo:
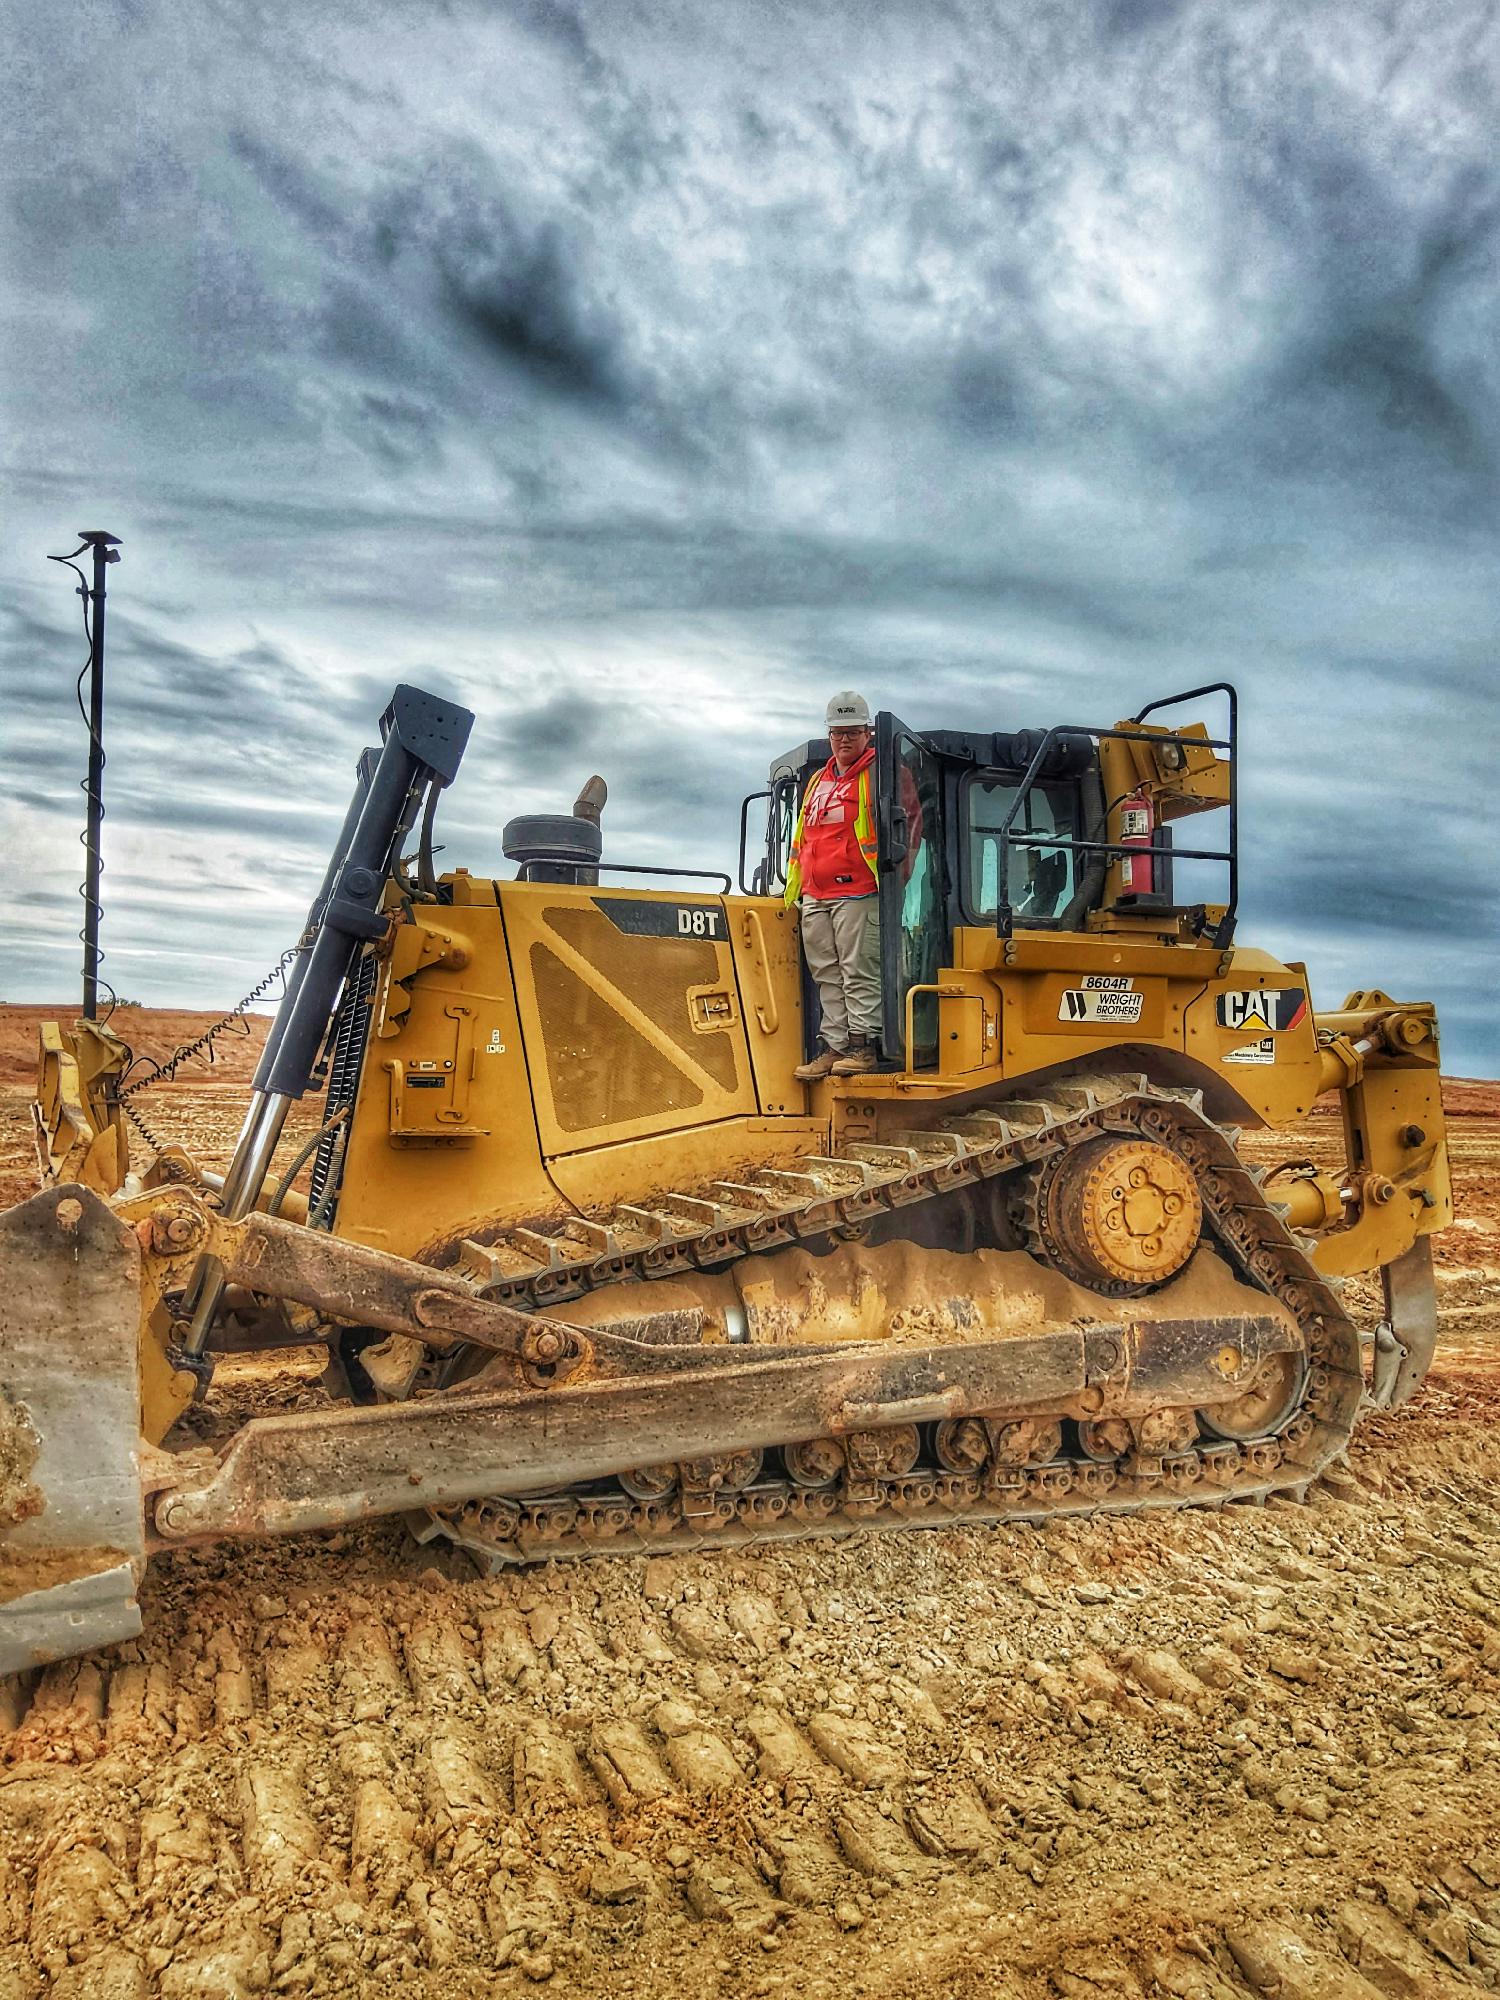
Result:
1199,1755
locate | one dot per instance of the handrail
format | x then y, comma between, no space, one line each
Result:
773,869
745,805
1225,929
943,993
647,868
1192,694
1008,837
1048,840
767,1014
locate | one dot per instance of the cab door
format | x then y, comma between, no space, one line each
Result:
914,942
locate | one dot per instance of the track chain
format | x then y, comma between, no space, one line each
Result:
840,1195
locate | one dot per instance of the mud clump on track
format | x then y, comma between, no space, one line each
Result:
1208,1755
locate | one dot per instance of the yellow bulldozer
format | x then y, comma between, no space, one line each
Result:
595,1272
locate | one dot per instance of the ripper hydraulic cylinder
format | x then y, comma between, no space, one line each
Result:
422,742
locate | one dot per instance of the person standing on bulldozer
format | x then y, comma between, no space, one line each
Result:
832,876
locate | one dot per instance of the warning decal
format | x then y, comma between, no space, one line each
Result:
1263,1051
1273,1008
1101,998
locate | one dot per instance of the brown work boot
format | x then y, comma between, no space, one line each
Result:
820,1066
861,1057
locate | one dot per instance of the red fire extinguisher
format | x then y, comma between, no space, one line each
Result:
1137,824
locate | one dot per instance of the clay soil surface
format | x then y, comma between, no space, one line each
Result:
1201,1755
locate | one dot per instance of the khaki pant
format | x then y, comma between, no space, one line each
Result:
841,941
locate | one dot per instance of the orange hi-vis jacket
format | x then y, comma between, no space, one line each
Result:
833,843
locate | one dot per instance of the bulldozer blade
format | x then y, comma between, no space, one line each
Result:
1406,1339
72,1527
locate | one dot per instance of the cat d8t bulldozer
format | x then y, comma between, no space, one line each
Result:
595,1272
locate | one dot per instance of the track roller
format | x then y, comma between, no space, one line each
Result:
1273,1391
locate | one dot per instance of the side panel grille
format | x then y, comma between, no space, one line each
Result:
603,1072
630,1010
656,975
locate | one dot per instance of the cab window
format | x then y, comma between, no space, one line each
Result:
1041,880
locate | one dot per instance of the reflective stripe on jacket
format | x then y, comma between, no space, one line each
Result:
841,851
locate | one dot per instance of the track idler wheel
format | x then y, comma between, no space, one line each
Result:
1121,1215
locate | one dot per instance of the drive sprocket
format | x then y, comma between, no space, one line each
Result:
1120,1213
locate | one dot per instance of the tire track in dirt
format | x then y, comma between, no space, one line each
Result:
1114,1754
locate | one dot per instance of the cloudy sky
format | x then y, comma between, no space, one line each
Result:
640,373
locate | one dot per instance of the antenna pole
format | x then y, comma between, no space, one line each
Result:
106,550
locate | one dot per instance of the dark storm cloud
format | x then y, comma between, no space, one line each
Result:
240,699
526,299
1133,17
546,741
1389,369
638,378
1362,895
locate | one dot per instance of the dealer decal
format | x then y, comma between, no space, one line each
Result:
1102,997
1263,1051
1273,1008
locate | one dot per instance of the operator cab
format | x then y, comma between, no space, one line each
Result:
1057,830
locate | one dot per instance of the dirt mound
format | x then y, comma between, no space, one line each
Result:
201,1108
154,1033
1463,1097
1470,1097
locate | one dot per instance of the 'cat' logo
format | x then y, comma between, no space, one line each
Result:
1270,1007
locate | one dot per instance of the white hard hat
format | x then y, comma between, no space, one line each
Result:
847,710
